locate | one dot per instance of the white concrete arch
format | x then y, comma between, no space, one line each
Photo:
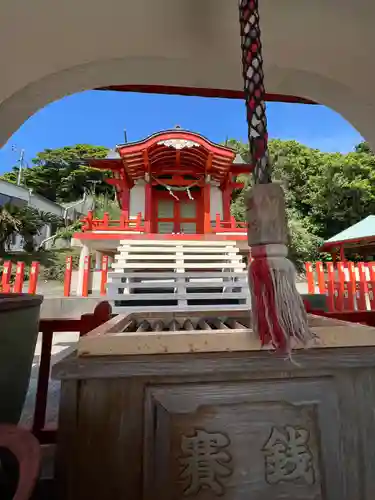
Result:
354,107
321,49
15,110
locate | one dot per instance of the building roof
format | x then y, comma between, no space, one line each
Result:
112,155
362,230
238,160
174,151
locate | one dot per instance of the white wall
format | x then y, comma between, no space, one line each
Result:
216,200
45,205
33,200
137,200
9,189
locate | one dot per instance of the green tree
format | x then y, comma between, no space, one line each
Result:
61,175
303,241
26,221
329,190
9,224
293,166
363,147
342,192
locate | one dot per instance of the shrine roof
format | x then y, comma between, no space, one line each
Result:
171,149
113,155
238,160
362,231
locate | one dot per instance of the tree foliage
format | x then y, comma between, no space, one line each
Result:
325,192
103,205
25,221
61,175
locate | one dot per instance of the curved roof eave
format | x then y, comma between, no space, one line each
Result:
176,134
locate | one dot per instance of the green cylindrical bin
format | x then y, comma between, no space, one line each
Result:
19,327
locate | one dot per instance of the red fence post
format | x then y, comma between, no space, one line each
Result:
6,277
361,288
371,285
89,218
105,220
217,223
352,281
68,275
310,277
138,223
104,273
350,286
330,287
342,294
20,274
320,275
33,280
86,276
347,300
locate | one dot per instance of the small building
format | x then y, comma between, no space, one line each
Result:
359,239
173,185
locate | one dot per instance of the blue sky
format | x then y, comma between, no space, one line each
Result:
98,117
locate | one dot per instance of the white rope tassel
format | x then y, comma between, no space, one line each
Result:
172,193
189,194
289,305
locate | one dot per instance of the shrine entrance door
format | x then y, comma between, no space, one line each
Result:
176,215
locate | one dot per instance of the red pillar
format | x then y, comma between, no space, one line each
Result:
20,273
33,280
148,207
207,208
7,275
68,275
86,276
227,195
310,277
125,202
342,253
104,274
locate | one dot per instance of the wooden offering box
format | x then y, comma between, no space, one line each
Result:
171,407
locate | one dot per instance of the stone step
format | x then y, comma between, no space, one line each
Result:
119,266
126,256
190,243
186,249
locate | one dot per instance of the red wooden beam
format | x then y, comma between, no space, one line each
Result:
242,168
202,92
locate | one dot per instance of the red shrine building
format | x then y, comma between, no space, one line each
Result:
175,185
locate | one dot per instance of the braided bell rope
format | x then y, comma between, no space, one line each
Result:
252,71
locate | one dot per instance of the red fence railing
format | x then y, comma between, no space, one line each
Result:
348,286
231,226
15,283
107,224
138,224
13,279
